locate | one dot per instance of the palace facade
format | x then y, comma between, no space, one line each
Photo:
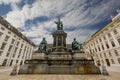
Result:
15,48
104,45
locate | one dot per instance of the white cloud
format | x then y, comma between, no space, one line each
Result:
75,15
39,31
16,18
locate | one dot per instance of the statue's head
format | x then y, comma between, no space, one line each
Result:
43,38
74,39
58,19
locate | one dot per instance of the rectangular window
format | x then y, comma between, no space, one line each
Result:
101,55
1,34
99,48
91,44
17,61
24,49
4,62
115,31
14,35
21,45
107,62
21,62
9,32
97,41
20,51
18,56
13,55
12,41
1,53
116,52
95,49
110,54
8,54
3,45
15,50
105,55
100,40
10,48
23,56
102,47
118,40
119,60
109,35
107,46
6,38
18,43
2,28
112,61
113,44
104,37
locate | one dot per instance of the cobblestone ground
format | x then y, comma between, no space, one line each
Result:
5,75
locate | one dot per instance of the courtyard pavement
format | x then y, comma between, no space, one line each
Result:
5,75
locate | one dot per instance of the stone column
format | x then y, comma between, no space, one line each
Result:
62,40
57,41
54,43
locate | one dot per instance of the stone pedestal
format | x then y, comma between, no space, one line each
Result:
60,59
33,69
59,43
60,55
39,55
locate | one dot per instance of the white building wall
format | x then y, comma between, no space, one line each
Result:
12,54
102,55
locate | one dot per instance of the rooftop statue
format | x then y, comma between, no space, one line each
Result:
75,45
59,24
43,45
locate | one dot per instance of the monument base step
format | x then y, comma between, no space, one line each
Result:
58,69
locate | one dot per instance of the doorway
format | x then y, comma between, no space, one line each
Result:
107,61
11,62
21,62
4,62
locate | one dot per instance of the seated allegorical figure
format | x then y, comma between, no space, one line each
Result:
75,45
43,45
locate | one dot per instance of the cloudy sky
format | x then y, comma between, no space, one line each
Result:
35,18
